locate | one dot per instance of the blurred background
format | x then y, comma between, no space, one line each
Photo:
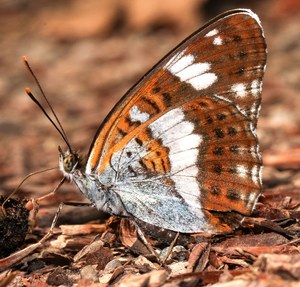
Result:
87,54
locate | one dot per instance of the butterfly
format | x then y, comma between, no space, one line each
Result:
179,151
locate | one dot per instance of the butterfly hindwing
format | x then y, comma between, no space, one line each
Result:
184,137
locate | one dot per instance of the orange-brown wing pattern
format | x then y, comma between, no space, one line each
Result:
185,134
240,59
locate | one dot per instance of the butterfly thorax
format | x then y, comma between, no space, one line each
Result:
101,195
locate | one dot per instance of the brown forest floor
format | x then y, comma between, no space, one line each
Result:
86,55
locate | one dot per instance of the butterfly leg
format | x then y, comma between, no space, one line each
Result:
34,203
58,211
170,248
145,241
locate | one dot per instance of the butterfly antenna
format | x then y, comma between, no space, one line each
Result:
59,128
33,98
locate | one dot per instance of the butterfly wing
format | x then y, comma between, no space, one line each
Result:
180,148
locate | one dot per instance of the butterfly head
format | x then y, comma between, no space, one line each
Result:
69,161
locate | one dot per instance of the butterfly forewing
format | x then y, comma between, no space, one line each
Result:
180,148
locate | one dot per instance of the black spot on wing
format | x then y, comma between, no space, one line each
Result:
156,90
219,133
152,104
217,169
218,151
138,141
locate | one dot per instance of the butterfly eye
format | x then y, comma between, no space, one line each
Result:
70,162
